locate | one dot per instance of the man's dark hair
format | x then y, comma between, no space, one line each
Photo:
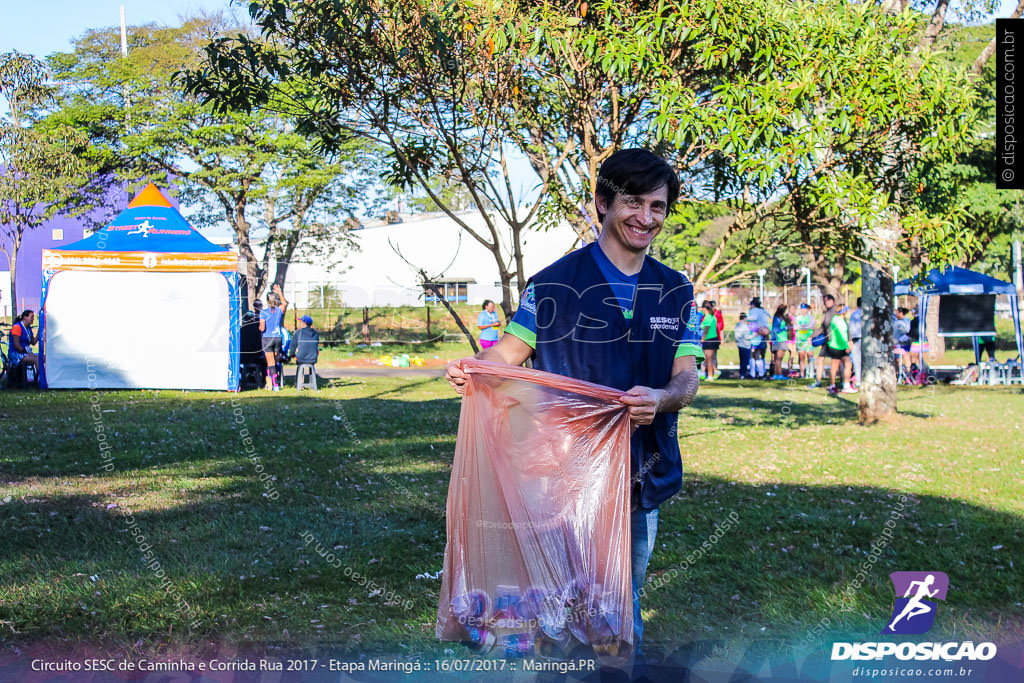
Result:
486,301
635,171
858,302
829,296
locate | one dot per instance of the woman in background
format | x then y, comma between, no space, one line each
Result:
780,340
710,341
804,334
270,326
742,335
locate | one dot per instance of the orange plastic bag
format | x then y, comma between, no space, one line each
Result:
538,550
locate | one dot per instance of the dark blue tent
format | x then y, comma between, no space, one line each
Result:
953,281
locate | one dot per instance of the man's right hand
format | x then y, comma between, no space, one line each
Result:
510,349
456,376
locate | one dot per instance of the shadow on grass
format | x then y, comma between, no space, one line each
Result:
743,411
367,480
786,565
201,432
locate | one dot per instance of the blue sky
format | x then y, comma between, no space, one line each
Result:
41,27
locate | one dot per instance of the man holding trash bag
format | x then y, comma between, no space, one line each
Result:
609,314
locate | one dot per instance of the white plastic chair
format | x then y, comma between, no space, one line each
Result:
1013,372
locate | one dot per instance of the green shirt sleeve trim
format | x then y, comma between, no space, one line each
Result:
517,330
690,350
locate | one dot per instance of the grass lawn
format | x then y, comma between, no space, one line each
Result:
360,470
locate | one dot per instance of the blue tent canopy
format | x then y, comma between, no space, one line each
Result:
152,228
954,280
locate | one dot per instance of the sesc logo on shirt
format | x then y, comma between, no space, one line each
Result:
660,322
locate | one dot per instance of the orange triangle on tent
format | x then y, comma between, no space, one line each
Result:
150,196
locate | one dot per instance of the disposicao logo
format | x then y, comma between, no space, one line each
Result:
913,612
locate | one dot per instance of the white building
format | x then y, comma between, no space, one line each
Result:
376,275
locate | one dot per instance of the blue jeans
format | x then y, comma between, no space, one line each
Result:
744,363
643,527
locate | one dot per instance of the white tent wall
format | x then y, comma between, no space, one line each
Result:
156,330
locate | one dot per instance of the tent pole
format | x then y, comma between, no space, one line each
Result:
1015,310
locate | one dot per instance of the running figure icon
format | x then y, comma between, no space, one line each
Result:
914,607
143,229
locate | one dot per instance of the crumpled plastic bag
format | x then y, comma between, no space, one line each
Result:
538,516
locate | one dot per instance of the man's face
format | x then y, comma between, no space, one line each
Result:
490,307
829,302
634,220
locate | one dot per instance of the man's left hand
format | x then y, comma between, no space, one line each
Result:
643,404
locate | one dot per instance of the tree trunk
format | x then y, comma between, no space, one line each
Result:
252,269
878,384
452,312
284,256
506,296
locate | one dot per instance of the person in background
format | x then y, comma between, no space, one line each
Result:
742,335
488,323
305,346
901,335
826,328
250,342
710,341
804,332
790,343
780,337
837,348
270,327
856,328
20,341
916,347
721,320
987,343
760,327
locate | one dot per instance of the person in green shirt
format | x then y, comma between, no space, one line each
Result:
780,338
709,340
804,334
837,348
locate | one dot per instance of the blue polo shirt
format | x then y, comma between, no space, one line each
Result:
623,287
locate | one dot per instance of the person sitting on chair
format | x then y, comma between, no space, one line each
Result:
20,341
305,346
